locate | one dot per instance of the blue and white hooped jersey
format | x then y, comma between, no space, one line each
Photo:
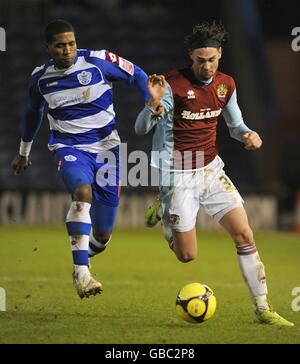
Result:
80,100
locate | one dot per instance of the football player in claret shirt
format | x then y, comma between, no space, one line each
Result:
76,85
191,172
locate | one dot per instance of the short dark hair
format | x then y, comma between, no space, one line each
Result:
56,27
206,33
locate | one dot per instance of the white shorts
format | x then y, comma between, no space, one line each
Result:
208,188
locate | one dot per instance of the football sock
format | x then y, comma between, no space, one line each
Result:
95,246
78,223
81,270
253,272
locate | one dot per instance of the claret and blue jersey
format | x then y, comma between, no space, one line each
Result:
189,125
81,115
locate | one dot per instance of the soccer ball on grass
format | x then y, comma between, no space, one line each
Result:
196,303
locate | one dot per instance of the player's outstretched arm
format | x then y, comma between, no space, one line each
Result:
20,164
252,140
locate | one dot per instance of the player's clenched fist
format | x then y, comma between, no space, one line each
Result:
20,164
252,141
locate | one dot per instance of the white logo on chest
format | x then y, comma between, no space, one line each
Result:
84,77
203,114
191,94
70,158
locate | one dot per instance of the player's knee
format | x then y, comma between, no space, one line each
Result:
101,237
243,236
83,193
186,257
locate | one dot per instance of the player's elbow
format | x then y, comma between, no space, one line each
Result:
139,130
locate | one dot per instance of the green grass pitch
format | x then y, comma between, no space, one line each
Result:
141,278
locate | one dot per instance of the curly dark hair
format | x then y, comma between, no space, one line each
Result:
214,32
55,27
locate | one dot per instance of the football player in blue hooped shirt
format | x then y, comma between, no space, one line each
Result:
76,86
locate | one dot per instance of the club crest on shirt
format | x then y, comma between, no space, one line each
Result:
84,77
222,90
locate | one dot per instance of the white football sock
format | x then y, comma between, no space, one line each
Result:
81,270
253,272
78,224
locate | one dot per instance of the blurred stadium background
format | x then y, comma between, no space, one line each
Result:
150,33
140,276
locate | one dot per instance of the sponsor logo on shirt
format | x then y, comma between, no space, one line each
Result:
191,94
121,62
112,57
65,99
70,158
126,66
86,94
203,114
